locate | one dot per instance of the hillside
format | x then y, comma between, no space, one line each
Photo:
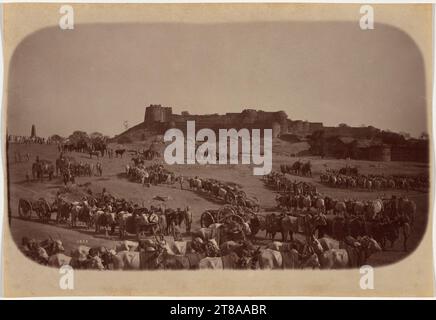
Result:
140,137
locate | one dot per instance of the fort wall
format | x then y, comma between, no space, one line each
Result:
157,116
161,118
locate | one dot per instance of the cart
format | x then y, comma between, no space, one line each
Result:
141,228
227,214
40,207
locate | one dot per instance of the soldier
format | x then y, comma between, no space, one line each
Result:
181,182
394,208
188,218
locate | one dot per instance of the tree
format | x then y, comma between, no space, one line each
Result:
79,137
96,136
55,138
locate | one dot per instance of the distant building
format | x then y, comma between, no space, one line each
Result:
413,150
339,147
362,149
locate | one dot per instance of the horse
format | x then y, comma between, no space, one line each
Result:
119,152
94,153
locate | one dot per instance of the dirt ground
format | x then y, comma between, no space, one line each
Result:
116,183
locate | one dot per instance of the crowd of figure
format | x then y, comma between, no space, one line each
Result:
29,140
19,157
69,169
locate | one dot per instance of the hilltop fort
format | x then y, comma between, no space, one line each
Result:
342,141
158,118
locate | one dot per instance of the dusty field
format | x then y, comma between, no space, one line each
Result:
115,182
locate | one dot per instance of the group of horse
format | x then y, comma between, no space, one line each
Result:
379,219
97,148
68,168
105,212
230,193
211,248
146,155
227,245
298,168
80,169
281,183
41,168
374,182
382,218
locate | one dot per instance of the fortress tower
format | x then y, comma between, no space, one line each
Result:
156,113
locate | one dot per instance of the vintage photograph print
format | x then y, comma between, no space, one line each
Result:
217,149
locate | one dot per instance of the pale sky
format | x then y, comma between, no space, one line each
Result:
95,77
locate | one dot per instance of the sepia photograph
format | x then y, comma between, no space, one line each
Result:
139,139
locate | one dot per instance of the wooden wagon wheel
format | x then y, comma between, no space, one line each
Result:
230,197
224,212
242,193
234,217
207,218
24,208
255,204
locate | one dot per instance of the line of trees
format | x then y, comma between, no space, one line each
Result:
81,137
